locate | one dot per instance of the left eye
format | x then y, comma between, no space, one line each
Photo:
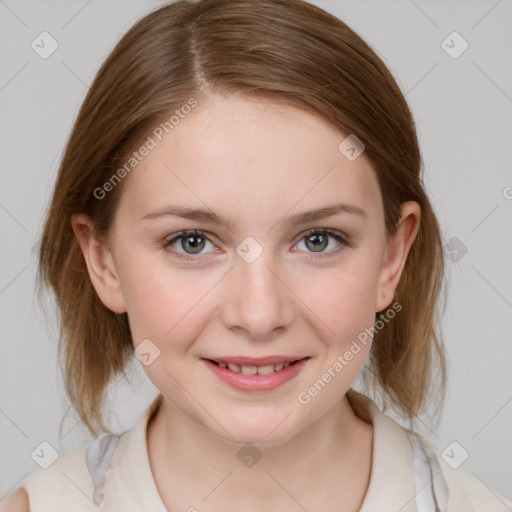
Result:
317,240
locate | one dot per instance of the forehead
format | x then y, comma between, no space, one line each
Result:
236,154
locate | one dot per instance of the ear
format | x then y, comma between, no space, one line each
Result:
100,263
397,250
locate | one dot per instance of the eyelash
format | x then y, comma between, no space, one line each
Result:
315,231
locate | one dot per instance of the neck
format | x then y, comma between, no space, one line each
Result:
333,452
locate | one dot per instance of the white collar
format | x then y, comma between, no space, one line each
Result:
400,465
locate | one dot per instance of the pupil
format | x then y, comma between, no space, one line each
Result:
319,242
197,247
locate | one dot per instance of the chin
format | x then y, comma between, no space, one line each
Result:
259,429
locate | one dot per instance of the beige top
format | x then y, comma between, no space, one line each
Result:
113,473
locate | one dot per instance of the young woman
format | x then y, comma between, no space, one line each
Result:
240,205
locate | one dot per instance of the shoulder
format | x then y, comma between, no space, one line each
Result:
65,483
80,479
465,490
436,476
17,501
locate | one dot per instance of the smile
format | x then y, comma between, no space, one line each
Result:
238,373
253,370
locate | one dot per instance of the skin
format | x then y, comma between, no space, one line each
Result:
254,163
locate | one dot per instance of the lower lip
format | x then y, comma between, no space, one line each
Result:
256,382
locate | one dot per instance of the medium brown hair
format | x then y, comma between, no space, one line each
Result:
287,51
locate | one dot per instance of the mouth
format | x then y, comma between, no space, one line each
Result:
253,369
249,374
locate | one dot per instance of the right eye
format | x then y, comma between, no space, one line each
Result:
191,242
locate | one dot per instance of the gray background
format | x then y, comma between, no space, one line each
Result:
463,110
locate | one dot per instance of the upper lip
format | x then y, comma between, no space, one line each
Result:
253,361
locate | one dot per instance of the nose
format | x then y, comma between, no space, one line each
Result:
258,302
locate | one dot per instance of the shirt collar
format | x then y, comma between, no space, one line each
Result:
391,485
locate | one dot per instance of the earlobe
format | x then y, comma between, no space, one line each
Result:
100,263
397,250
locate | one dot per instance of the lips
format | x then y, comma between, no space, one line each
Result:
251,374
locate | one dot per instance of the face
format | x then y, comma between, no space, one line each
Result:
242,316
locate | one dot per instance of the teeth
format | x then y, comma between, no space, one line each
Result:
266,370
234,367
249,370
253,370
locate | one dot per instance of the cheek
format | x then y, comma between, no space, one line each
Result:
161,301
166,309
343,299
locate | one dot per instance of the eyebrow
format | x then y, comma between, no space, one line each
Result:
291,221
